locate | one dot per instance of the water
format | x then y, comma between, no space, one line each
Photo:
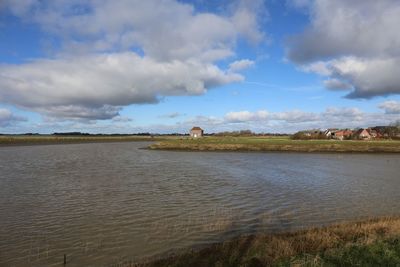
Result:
104,204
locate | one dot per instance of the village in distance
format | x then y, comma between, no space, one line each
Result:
370,133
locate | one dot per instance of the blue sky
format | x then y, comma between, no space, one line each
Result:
164,66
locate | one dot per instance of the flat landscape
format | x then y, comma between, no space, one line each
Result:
199,133
276,144
212,143
11,140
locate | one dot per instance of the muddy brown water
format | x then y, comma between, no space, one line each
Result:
104,204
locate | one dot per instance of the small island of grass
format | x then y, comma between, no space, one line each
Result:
281,143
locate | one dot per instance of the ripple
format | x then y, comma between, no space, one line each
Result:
106,203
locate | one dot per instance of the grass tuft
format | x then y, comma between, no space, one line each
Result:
369,243
276,144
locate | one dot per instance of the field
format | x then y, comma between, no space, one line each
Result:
369,243
9,140
275,144
209,143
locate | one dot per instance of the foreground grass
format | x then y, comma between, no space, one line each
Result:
368,243
275,144
9,140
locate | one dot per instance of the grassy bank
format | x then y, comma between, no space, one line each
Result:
368,243
11,140
275,144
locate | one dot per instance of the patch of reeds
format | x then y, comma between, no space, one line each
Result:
288,145
368,243
9,140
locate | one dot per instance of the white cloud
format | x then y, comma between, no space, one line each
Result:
361,28
390,107
336,84
7,118
294,120
353,42
164,30
96,86
246,19
369,77
240,65
340,115
319,67
95,73
295,116
285,121
123,119
246,116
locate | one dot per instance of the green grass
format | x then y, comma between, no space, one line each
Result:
52,139
368,243
379,253
276,144
217,143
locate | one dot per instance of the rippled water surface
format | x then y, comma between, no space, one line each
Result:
103,204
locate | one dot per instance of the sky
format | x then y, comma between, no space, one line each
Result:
164,66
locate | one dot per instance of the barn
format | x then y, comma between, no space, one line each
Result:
196,132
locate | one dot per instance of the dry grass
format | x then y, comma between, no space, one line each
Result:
275,144
11,140
303,248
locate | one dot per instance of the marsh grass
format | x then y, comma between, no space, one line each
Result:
275,144
369,243
9,140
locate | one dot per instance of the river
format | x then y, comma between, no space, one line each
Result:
103,204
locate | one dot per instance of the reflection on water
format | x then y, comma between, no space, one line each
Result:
107,203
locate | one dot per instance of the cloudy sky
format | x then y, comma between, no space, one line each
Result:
123,66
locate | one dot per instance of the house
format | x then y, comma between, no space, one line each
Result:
386,131
310,133
328,133
363,134
196,132
342,134
373,133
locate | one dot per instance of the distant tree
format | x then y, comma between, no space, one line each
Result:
395,124
309,135
71,133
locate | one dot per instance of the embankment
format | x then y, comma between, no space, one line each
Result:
369,243
279,145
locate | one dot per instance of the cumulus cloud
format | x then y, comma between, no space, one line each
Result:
164,30
352,42
96,86
294,116
331,117
245,18
287,121
123,119
246,116
336,84
240,65
391,107
7,118
117,53
319,67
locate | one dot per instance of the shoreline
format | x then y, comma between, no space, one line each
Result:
216,144
373,241
286,146
10,141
